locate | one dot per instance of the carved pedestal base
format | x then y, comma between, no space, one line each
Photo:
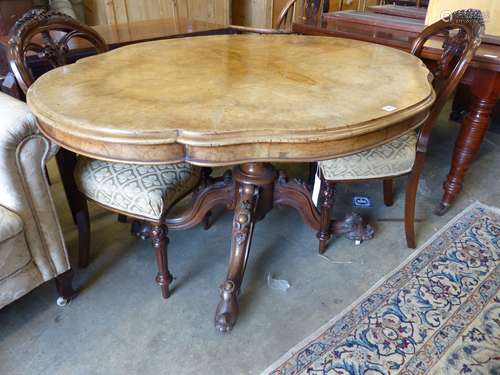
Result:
252,191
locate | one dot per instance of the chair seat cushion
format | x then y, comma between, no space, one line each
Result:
390,159
10,224
138,190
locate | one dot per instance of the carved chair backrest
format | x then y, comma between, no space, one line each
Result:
462,37
49,35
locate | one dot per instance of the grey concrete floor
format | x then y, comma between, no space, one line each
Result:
119,324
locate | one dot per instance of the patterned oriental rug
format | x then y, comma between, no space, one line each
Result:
438,313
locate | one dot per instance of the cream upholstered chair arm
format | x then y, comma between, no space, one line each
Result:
63,6
16,124
24,188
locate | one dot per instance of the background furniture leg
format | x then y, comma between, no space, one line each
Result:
485,91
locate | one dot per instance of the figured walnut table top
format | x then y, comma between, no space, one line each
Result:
232,98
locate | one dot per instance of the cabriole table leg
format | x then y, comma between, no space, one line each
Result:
254,183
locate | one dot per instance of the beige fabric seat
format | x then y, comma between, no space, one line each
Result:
390,159
142,190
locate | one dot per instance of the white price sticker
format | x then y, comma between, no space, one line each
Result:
389,108
317,188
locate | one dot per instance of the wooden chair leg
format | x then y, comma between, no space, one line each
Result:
122,218
389,192
206,180
312,173
206,220
326,196
64,286
83,224
410,200
66,162
159,236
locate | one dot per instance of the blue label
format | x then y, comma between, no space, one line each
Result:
361,201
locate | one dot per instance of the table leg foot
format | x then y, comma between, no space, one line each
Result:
353,227
227,309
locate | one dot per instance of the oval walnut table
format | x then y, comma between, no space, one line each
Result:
242,100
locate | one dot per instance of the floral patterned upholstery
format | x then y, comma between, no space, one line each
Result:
140,190
390,159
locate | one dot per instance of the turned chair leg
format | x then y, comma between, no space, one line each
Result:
64,286
389,192
410,200
326,196
159,236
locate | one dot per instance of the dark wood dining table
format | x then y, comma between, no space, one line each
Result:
482,79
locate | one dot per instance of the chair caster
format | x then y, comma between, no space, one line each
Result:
61,301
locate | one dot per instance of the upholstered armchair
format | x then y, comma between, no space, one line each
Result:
32,249
73,8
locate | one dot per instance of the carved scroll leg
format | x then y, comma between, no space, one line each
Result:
472,133
353,228
159,238
227,310
295,194
326,203
220,192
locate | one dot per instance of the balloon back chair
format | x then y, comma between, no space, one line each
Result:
143,192
405,155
